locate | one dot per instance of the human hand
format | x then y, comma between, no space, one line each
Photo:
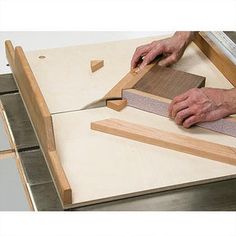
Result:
171,49
201,105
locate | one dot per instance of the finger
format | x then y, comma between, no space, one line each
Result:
168,60
151,55
139,53
177,99
177,107
190,121
182,115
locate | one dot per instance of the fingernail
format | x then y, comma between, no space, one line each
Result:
160,63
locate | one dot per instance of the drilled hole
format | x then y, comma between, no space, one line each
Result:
42,57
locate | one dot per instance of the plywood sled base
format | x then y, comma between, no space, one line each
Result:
112,167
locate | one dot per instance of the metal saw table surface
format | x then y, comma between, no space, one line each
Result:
161,201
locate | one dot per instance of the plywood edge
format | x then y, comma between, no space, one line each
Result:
39,115
167,140
221,61
148,95
159,105
128,81
151,191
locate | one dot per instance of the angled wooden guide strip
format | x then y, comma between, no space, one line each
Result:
128,81
222,62
158,105
39,115
168,140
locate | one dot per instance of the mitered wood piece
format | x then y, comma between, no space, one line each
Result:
167,82
117,105
221,61
39,115
96,65
158,105
168,140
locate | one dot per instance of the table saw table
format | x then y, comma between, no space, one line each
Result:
207,196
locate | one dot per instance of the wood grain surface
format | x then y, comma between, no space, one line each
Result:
168,82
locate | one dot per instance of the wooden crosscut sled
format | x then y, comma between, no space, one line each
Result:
88,166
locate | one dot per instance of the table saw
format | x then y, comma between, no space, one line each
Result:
80,167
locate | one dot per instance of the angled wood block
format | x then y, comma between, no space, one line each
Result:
96,65
117,105
159,105
168,140
167,82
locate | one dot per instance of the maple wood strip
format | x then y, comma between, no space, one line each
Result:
222,62
60,178
117,105
128,81
39,115
158,105
168,140
9,52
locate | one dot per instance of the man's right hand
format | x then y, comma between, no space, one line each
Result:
171,49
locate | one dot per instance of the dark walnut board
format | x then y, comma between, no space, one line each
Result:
167,82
